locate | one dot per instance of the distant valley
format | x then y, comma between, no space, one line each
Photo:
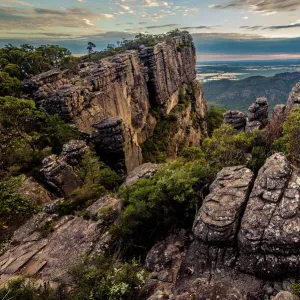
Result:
239,94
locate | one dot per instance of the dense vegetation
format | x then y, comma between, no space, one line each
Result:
240,94
145,40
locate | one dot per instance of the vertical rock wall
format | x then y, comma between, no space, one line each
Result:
127,86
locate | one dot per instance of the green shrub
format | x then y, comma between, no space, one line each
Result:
99,279
227,147
19,290
290,142
154,206
215,119
14,208
27,134
295,289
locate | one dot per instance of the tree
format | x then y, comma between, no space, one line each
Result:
9,85
90,48
215,118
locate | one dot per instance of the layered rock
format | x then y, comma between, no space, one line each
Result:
279,112
114,142
126,86
219,216
294,97
146,170
47,246
235,118
60,173
258,114
269,235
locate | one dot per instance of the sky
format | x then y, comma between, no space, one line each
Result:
222,29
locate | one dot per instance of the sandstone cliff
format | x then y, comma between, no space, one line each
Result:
113,98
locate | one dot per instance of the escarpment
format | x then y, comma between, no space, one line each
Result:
139,89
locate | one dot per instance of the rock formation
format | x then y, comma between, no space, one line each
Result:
143,171
279,112
125,87
47,246
294,98
258,114
60,172
236,118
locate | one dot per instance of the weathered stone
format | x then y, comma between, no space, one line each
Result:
60,176
235,118
294,98
114,142
34,191
164,259
219,216
126,86
48,255
269,236
258,114
279,112
143,171
73,151
285,296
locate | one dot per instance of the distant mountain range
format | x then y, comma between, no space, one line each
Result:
239,94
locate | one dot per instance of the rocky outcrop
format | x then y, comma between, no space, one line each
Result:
114,143
143,171
60,173
294,97
269,235
125,87
279,112
34,191
219,217
48,246
258,114
245,235
235,118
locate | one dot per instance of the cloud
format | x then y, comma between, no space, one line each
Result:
161,26
260,5
278,27
197,27
12,18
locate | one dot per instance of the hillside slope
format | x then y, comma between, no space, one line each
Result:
238,95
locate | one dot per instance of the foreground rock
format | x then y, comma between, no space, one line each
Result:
236,118
258,114
294,98
125,87
48,246
60,173
218,219
269,236
143,171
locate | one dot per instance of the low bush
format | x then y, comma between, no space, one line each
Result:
98,279
14,208
227,147
215,119
154,206
20,290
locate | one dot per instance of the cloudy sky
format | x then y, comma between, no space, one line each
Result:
222,29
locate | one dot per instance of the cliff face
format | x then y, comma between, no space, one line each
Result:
126,86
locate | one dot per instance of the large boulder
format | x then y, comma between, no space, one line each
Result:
60,173
113,140
34,191
218,219
294,97
269,236
146,170
258,114
235,118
